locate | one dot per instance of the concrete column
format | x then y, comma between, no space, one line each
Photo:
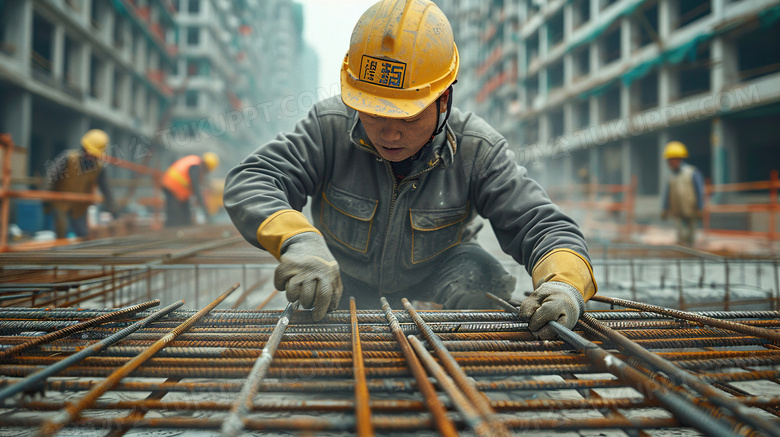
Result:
625,162
568,69
625,101
595,10
544,43
25,29
544,130
82,77
668,86
593,165
664,19
724,152
595,58
724,57
568,118
718,8
626,46
58,51
109,21
568,21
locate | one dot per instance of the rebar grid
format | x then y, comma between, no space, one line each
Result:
185,371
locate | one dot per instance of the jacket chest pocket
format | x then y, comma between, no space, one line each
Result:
348,218
434,231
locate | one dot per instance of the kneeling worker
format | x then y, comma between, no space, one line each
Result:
395,175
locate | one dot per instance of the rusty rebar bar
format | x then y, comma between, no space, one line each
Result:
36,379
70,330
73,411
233,424
471,416
443,423
683,410
477,398
363,425
685,315
679,376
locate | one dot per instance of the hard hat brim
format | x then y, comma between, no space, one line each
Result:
388,102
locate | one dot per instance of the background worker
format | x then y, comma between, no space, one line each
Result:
79,171
683,198
396,175
182,181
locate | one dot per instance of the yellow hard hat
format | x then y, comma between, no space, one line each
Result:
401,58
211,160
95,142
675,149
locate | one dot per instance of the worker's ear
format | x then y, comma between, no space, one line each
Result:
443,99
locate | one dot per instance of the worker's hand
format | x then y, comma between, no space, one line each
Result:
552,301
309,274
665,214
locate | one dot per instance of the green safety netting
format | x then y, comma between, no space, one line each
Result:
675,55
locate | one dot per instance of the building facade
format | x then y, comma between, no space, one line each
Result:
592,90
163,78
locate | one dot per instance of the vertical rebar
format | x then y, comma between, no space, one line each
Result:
477,398
234,423
362,409
633,279
471,416
680,284
73,410
726,286
443,423
701,276
777,287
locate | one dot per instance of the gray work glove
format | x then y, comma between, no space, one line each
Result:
553,300
309,274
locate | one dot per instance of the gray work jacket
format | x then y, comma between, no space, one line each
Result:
386,233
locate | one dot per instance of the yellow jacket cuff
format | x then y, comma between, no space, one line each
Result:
566,265
280,226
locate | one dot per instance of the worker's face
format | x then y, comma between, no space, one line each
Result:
399,138
674,163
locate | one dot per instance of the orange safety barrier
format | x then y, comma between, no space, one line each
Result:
6,193
771,207
592,199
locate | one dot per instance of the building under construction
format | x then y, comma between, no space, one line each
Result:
144,330
590,91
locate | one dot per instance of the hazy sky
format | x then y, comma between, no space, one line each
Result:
327,27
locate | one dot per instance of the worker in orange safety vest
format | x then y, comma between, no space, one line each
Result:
181,182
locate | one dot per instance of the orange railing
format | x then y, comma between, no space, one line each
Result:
771,207
6,193
593,200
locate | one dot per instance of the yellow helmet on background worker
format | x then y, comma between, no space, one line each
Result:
94,142
675,149
211,160
401,58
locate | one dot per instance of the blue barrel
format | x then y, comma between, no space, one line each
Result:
29,215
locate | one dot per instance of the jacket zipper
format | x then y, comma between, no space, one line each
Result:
393,198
